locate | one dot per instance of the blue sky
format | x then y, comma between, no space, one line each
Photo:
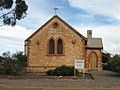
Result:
101,16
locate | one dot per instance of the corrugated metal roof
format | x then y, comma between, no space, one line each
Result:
94,43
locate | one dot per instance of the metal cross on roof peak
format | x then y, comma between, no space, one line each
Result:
55,10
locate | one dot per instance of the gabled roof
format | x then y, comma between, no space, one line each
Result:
62,22
94,43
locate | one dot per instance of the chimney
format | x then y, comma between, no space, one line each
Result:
89,34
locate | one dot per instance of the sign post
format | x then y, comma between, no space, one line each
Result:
74,71
79,64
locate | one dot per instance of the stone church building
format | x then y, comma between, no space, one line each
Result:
56,43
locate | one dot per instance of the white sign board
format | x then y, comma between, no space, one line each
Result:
79,64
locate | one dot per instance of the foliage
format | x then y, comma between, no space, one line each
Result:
115,63
20,58
12,64
16,13
50,72
105,57
62,71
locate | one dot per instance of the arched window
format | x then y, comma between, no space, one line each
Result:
59,47
51,46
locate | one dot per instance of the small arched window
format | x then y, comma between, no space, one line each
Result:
59,47
51,46
55,25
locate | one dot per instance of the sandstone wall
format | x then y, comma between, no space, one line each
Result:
39,59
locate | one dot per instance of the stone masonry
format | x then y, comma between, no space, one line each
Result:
37,47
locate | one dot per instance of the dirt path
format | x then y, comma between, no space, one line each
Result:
104,80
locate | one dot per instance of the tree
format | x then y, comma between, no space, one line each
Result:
12,64
13,14
20,58
115,63
105,57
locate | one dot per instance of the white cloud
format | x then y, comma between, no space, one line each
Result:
12,38
110,36
39,11
105,7
109,33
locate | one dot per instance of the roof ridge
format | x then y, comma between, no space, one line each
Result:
56,16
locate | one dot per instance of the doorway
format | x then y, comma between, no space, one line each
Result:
93,60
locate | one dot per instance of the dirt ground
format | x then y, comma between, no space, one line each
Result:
103,80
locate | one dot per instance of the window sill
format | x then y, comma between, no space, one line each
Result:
55,55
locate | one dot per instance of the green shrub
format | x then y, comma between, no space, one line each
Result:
14,64
62,71
115,63
50,72
115,66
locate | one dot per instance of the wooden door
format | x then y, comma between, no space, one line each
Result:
93,60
